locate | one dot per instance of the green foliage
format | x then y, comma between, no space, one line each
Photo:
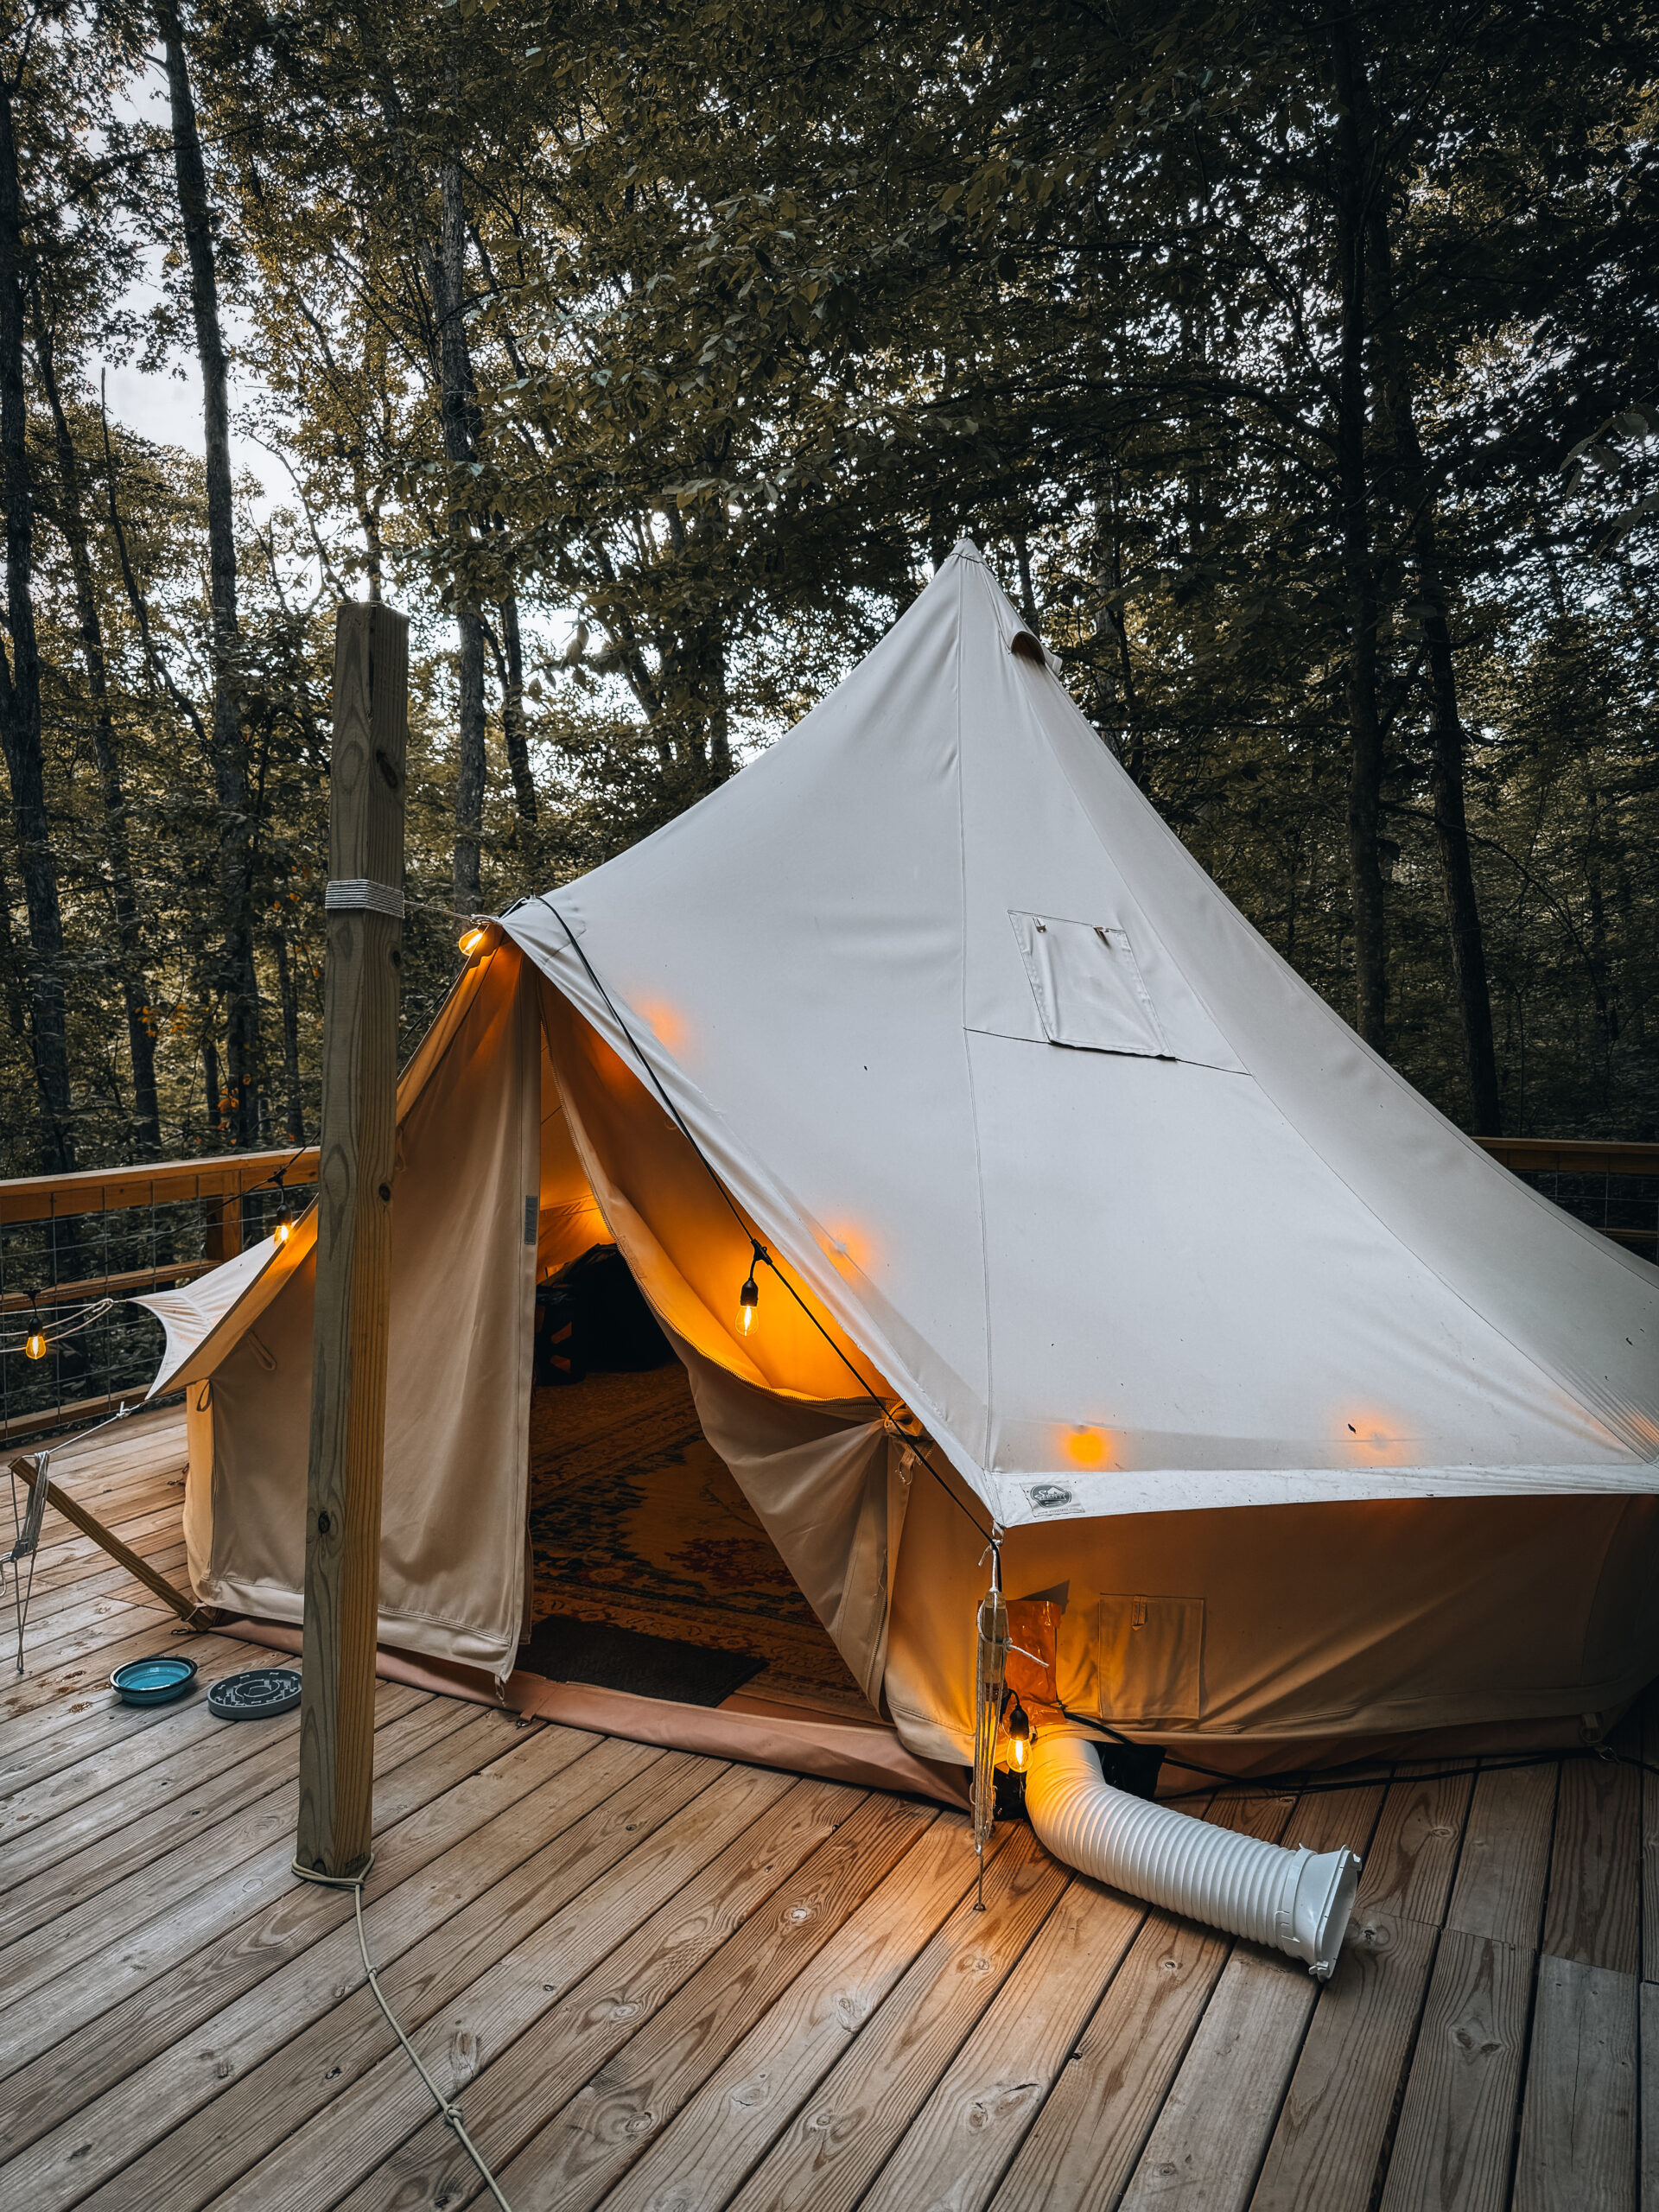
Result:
761,308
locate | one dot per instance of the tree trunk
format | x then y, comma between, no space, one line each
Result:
230,754
12,969
134,985
20,692
290,1002
1464,931
455,380
1364,726
512,713
211,1086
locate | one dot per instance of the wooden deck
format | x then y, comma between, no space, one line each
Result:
653,1980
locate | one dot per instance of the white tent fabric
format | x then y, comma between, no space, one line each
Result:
1321,1428
190,1314
458,1375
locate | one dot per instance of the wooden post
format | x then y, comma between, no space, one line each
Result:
359,1113
223,1229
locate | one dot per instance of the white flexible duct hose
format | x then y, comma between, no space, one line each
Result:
1297,1900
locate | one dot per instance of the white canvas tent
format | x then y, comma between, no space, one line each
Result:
1325,1429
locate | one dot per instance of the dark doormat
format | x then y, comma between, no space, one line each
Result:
566,1651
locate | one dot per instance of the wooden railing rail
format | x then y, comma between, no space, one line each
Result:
102,1190
75,1248
1570,1156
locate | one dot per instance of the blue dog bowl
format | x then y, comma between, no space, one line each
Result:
153,1682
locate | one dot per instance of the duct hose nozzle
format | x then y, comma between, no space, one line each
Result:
1297,1900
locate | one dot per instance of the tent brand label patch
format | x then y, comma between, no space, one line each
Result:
1087,982
1049,1497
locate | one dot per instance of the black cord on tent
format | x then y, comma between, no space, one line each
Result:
759,1250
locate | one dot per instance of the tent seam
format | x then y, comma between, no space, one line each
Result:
968,1059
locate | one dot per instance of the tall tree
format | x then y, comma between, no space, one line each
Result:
20,670
135,984
236,827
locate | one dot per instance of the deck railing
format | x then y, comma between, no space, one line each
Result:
69,1242
73,1248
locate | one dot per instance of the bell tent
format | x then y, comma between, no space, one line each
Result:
1072,1215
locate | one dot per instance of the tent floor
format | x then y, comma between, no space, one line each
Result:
635,1522
656,1979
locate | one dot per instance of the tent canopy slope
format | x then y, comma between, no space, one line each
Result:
1126,1214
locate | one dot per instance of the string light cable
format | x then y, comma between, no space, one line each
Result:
451,2113
86,1313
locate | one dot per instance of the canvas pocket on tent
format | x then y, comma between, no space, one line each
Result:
1088,986
1133,1660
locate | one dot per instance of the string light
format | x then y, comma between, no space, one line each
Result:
283,1232
473,939
1021,1738
67,1321
747,1299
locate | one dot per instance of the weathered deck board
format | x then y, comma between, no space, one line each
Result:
838,2141
723,2131
966,2133
1594,1870
1327,2146
618,2055
1499,1890
1209,2141
565,1929
168,2047
1578,2150
136,1932
657,1983
1409,1868
1088,2140
1452,2148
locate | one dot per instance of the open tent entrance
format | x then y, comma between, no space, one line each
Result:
650,1571
648,1568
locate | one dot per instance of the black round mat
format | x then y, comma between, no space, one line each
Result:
257,1695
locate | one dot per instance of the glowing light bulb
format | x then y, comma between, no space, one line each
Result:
283,1232
471,940
35,1344
1019,1736
747,1299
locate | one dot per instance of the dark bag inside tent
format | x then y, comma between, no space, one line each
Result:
592,1320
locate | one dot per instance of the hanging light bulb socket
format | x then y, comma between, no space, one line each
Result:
1021,1736
749,1297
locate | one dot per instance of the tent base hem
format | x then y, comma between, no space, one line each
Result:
850,1751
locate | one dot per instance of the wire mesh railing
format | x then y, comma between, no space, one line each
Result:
75,1250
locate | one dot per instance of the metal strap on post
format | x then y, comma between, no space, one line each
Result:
360,894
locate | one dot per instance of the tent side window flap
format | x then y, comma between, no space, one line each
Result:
1133,1660
1088,985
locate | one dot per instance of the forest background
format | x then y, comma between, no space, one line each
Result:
1294,369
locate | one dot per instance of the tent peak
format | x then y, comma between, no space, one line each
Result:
965,550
